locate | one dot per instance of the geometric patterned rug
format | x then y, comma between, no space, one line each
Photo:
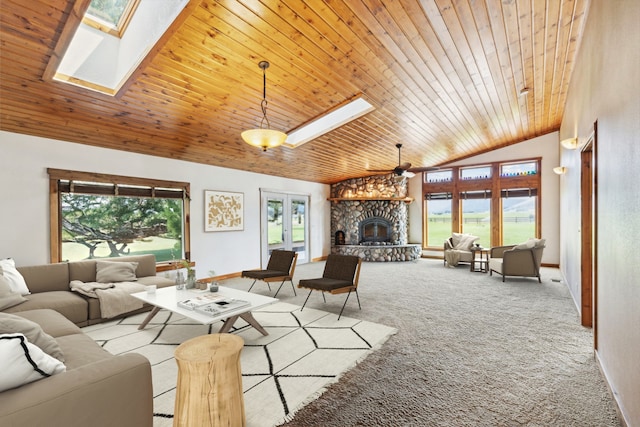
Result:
304,353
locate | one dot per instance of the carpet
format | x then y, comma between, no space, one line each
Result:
303,354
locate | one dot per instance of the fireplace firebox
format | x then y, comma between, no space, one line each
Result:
374,230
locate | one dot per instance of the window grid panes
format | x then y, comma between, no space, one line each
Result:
439,220
483,172
497,202
518,219
476,219
439,176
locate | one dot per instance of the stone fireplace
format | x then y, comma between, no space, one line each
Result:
369,218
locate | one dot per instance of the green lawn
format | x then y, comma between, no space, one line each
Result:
275,233
159,246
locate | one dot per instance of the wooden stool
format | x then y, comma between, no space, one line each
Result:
209,390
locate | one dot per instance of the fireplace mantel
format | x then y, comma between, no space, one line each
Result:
369,199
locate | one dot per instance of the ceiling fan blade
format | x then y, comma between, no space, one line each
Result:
404,166
423,169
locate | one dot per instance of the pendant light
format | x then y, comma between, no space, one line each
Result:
264,137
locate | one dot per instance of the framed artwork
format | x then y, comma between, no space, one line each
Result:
223,211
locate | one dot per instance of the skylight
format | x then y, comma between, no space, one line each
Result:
97,59
110,16
352,110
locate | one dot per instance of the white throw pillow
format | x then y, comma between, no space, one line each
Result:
529,244
465,241
22,362
8,298
13,276
114,271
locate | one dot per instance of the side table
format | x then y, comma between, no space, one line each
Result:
479,260
209,389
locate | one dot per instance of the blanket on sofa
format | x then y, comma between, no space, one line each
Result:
115,298
452,257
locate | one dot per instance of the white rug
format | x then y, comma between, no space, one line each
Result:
304,352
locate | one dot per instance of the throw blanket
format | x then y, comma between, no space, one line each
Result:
452,257
115,298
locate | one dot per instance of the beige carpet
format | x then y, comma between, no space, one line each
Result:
470,351
304,352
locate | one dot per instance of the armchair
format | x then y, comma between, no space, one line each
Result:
521,260
457,249
281,266
341,274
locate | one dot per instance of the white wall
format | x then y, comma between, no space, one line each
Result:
24,195
546,147
605,87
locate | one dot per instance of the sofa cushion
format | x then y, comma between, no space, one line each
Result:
72,306
8,298
46,277
111,272
22,362
51,322
85,270
13,276
11,324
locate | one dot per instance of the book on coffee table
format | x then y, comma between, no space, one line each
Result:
222,306
201,300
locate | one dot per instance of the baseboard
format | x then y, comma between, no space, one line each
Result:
614,395
322,258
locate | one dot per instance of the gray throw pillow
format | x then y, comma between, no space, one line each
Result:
8,298
10,323
111,272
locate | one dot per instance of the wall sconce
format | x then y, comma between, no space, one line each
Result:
560,170
570,143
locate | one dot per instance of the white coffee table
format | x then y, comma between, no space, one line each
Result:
168,298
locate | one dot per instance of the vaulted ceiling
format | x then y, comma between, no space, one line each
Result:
444,77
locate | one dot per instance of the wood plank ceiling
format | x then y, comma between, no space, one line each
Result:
443,75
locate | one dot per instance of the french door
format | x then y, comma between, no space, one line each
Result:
284,224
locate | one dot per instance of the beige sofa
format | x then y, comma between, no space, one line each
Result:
49,287
97,389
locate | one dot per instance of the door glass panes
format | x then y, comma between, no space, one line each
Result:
298,231
476,216
274,224
438,221
518,219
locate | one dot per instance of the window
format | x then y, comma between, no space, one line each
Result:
438,225
439,176
476,215
519,211
110,16
482,172
497,202
103,216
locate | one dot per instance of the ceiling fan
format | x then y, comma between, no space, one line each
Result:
403,170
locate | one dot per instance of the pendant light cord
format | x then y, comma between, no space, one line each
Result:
264,65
